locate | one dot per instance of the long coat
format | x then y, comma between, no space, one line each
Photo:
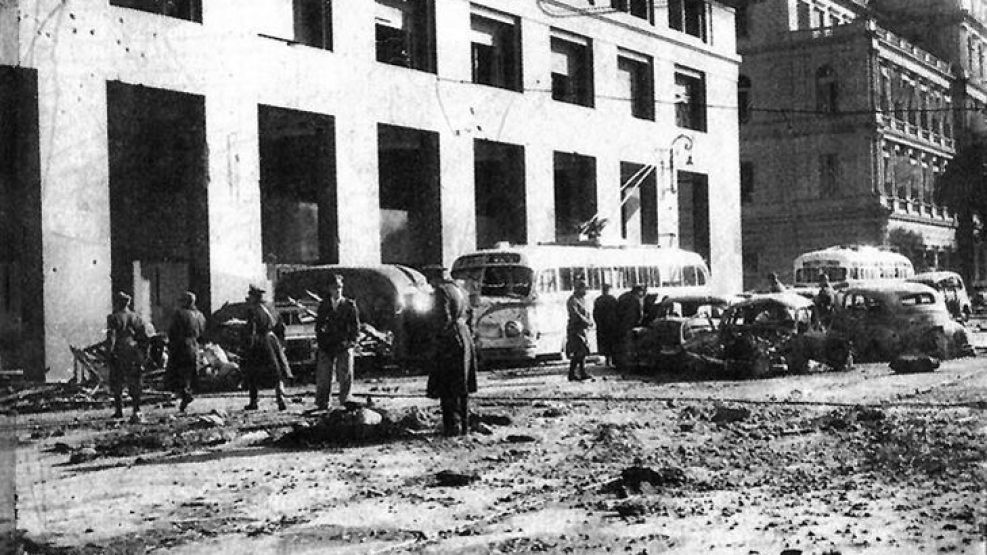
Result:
126,338
577,342
607,325
263,356
453,372
630,312
187,326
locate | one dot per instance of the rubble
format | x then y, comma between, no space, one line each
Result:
725,414
450,478
911,364
65,396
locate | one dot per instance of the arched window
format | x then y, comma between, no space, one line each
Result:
744,99
826,90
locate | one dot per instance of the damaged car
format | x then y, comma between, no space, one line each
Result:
684,340
774,334
887,319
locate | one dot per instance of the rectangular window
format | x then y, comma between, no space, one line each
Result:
313,23
829,175
642,9
575,195
689,17
636,73
746,182
405,33
496,49
742,22
190,10
803,16
572,69
690,99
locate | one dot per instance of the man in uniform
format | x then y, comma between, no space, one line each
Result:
630,314
126,342
576,341
453,374
337,326
607,326
263,358
187,327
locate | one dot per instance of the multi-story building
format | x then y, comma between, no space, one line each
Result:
157,145
851,125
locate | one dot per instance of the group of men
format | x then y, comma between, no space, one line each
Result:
264,364
613,317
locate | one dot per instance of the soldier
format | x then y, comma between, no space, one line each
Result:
263,358
337,327
576,343
187,327
126,343
453,375
607,326
825,301
630,314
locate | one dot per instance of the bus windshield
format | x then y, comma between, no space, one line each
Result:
506,281
811,275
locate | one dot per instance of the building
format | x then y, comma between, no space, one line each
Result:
845,126
171,144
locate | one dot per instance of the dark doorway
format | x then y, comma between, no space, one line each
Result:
639,204
499,192
159,219
410,210
21,280
694,213
297,187
575,194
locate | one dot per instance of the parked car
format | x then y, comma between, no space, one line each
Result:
686,341
774,333
225,329
886,319
950,284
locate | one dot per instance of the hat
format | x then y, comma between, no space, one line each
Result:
256,290
121,298
188,299
335,281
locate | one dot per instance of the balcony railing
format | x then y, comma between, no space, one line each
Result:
891,122
916,207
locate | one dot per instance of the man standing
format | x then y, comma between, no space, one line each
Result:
630,314
187,327
263,359
825,301
576,341
337,326
126,343
774,284
453,375
605,316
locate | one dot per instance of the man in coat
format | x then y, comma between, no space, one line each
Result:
453,374
337,326
576,340
630,314
607,326
126,342
825,301
263,358
187,327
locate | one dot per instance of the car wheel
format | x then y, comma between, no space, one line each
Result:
937,345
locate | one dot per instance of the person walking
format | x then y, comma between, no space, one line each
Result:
607,325
187,327
126,344
263,358
630,314
453,374
337,327
576,341
825,301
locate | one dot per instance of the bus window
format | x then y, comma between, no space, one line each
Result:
689,276
629,276
607,276
506,281
700,276
654,276
673,277
565,279
548,281
642,275
593,278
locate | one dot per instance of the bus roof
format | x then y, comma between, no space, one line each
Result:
548,255
855,253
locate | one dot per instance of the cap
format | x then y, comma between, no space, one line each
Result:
335,281
256,290
121,298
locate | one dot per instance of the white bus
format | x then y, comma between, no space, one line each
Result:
518,293
845,264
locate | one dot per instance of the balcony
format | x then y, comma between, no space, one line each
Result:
917,208
906,129
895,42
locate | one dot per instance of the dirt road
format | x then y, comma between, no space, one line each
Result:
863,461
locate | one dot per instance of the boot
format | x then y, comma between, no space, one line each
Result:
184,404
136,418
118,406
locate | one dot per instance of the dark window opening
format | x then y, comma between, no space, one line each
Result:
638,204
746,182
496,50
636,74
693,196
689,17
642,9
829,176
313,23
826,90
298,187
742,22
499,193
411,226
743,99
575,194
690,99
572,71
405,33
190,10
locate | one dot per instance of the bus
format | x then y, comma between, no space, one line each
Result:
845,264
518,293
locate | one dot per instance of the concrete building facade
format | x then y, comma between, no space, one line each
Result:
853,124
163,145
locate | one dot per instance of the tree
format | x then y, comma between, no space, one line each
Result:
911,244
963,189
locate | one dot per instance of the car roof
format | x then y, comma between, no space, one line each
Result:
889,287
934,276
694,298
787,298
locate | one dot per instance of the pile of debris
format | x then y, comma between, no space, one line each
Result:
64,396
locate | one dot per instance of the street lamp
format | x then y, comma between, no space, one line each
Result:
687,145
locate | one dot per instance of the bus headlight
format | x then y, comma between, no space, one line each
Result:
513,328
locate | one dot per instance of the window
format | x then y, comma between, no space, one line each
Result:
496,49
575,194
829,173
313,23
742,22
643,9
181,9
405,33
826,91
743,99
803,15
690,99
636,73
572,69
885,90
689,17
746,182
